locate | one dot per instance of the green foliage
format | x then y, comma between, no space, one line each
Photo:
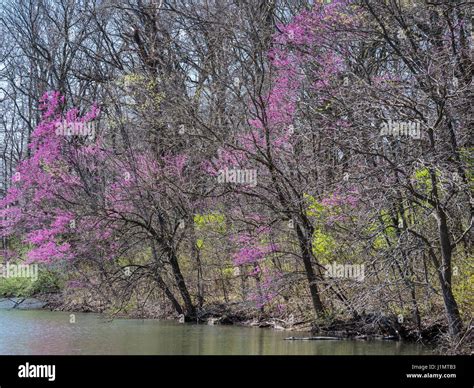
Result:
143,89
389,230
422,176
375,228
379,242
139,257
202,220
15,287
228,272
48,281
422,179
324,245
463,284
199,243
315,209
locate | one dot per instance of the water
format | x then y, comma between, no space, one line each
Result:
40,332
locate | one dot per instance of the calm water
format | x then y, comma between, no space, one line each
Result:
45,332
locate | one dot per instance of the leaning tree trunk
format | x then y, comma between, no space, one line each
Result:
444,273
162,285
305,246
196,254
190,310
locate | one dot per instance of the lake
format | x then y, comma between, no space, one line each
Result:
42,332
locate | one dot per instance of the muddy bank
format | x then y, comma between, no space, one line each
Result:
377,326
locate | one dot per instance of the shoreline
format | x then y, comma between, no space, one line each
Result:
369,327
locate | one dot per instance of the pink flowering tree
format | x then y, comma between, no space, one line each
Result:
276,145
75,199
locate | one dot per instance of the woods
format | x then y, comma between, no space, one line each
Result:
244,160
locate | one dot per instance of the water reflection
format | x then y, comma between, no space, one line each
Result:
45,332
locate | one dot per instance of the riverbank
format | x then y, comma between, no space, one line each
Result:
365,327
42,332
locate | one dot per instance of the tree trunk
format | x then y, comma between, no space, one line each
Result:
190,310
196,254
305,247
161,283
444,273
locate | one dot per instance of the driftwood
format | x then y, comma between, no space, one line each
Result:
317,338
359,337
16,303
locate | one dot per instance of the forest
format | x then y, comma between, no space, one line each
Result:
293,164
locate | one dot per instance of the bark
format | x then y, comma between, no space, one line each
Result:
195,253
161,283
444,273
305,246
190,310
